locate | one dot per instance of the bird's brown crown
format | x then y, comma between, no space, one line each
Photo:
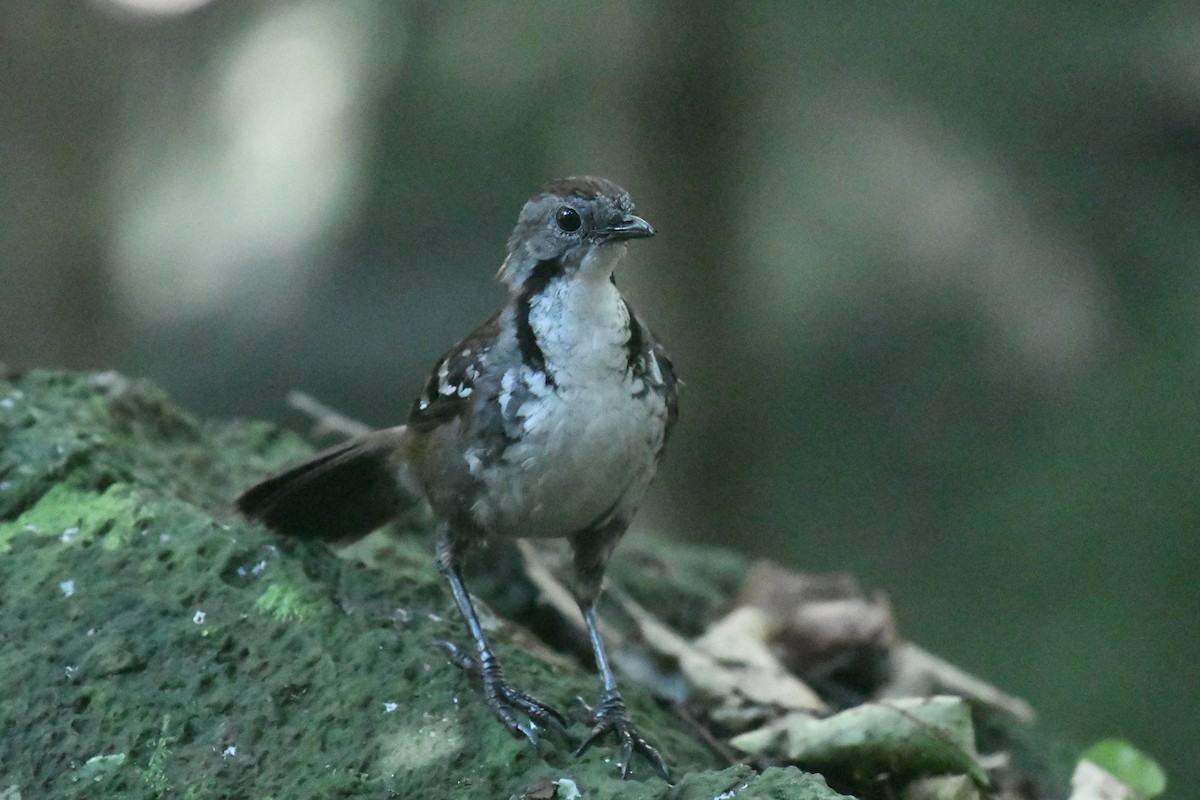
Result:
588,188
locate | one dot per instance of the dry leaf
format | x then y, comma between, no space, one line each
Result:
904,738
739,643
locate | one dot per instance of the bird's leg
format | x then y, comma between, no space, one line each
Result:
610,714
508,702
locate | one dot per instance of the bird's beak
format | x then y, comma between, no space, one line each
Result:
630,226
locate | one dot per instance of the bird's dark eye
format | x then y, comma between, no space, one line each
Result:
568,219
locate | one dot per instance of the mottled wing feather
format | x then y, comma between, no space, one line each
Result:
649,361
670,383
448,393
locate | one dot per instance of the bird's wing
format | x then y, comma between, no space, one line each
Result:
448,392
649,361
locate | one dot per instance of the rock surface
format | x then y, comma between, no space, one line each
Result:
157,645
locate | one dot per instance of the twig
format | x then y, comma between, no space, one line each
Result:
704,735
326,420
919,672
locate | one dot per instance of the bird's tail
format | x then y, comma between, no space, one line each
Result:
340,494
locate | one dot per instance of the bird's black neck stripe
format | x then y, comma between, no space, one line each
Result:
531,352
636,341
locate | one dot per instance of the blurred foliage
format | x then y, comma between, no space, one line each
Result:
1134,768
929,270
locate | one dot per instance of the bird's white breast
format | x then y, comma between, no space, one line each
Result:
587,448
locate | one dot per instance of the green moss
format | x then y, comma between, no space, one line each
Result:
90,431
154,773
78,517
219,659
287,603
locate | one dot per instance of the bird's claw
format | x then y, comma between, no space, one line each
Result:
508,702
457,657
611,715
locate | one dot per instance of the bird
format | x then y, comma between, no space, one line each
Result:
547,421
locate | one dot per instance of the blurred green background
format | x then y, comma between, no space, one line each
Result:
928,269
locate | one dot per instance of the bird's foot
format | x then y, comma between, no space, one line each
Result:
509,703
611,715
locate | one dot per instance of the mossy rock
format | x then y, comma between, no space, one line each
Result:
157,645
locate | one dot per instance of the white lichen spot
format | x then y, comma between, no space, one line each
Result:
256,570
67,587
69,534
732,793
71,669
390,707
199,617
90,632
229,752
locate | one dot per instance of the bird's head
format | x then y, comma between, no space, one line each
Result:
579,225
